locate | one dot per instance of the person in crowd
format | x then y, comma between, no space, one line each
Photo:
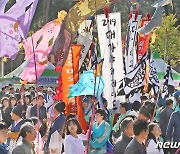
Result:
54,141
49,98
108,114
5,111
38,142
136,146
2,93
11,91
87,108
135,109
146,111
28,134
175,103
173,128
160,107
153,138
42,113
27,106
124,111
165,115
73,143
100,133
16,115
126,136
4,148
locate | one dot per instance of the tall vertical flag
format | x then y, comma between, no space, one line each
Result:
143,40
168,88
109,34
131,38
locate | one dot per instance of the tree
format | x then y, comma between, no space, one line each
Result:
168,40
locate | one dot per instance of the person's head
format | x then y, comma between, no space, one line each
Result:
37,123
49,91
100,115
12,101
136,105
140,128
11,91
3,89
85,102
27,99
33,101
40,99
59,108
176,95
73,127
127,126
124,107
105,103
154,131
145,112
16,113
3,132
28,132
5,102
169,103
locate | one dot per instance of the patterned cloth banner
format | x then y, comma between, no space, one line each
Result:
85,85
86,43
109,34
41,42
15,25
70,75
143,40
130,51
168,88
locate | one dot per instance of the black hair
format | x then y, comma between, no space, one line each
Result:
76,122
70,116
169,101
125,105
3,99
11,88
139,126
102,113
147,102
60,107
125,124
26,127
10,99
136,105
34,120
3,126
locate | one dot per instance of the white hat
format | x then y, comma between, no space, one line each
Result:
50,89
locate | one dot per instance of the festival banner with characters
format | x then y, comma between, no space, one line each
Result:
130,51
109,33
70,75
143,40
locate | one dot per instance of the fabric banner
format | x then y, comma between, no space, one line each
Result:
130,51
143,40
109,34
70,75
86,43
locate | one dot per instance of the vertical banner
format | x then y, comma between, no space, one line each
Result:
109,33
86,43
70,75
143,40
130,50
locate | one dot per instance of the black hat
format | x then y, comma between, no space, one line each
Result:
17,110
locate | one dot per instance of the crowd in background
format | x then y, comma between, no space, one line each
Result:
33,122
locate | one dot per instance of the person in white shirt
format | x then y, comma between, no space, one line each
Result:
73,143
153,138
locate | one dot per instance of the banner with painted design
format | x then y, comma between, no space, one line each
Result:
143,40
109,33
70,75
86,43
131,38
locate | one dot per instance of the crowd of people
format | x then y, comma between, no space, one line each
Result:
33,122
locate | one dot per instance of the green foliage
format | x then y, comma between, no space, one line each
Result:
168,40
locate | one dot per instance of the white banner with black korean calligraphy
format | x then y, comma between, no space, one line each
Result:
109,34
131,38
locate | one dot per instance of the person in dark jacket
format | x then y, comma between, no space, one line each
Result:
165,115
136,146
4,149
28,133
125,138
42,113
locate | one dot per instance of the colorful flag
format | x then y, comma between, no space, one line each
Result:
109,34
130,49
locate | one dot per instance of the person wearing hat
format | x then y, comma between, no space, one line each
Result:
175,103
49,98
42,113
54,141
16,115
